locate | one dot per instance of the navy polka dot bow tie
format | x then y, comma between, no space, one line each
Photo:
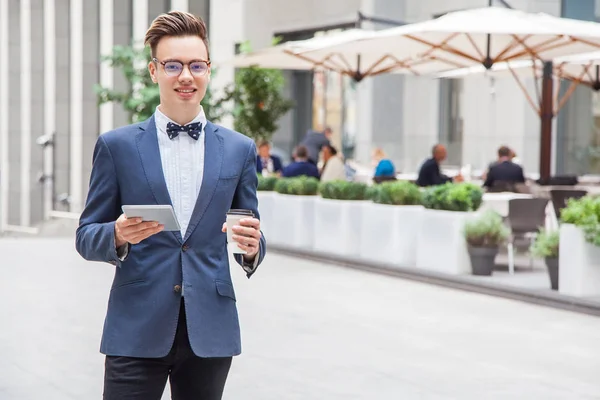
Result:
194,130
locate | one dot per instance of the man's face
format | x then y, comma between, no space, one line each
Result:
441,153
264,151
184,89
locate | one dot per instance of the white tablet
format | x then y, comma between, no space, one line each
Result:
163,214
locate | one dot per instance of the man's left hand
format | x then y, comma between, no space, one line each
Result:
247,235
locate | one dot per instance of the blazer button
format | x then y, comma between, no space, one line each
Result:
185,247
177,289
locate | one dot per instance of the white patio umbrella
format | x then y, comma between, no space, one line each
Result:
579,69
290,55
456,40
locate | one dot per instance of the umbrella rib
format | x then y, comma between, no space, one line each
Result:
314,62
536,79
446,61
524,89
545,46
527,49
574,83
511,46
332,62
470,39
398,64
443,46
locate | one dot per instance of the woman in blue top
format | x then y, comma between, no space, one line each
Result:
385,167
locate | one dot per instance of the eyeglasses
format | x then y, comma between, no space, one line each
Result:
175,68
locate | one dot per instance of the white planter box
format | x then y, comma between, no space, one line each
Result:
441,244
266,206
338,226
292,225
579,264
389,234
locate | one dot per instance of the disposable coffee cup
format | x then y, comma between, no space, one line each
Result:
233,218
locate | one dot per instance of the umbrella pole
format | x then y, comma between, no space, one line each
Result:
547,115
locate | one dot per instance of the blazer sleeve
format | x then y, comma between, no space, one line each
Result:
245,198
277,165
95,237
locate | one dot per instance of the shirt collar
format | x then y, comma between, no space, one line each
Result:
162,120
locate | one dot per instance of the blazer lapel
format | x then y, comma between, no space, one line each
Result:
147,144
213,158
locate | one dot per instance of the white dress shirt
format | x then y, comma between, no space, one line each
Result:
182,160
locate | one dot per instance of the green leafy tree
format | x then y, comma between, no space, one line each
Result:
142,97
258,100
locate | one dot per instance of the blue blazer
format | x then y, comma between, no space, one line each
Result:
301,168
143,306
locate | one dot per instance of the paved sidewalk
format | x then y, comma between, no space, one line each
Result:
310,331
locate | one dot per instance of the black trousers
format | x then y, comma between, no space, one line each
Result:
190,377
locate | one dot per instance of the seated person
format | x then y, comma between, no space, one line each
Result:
429,173
300,166
384,167
498,161
267,163
504,170
333,169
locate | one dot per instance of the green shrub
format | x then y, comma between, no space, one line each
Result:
486,230
453,197
584,213
546,244
266,183
300,186
397,193
343,190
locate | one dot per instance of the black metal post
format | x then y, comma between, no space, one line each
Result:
547,115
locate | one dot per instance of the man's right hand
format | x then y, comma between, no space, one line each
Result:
133,230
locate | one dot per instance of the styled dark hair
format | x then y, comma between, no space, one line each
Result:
175,23
301,152
504,151
332,149
261,143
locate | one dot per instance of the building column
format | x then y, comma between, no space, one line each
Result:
140,21
49,103
4,164
76,106
25,124
180,5
106,71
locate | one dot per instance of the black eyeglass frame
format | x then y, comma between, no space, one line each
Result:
163,63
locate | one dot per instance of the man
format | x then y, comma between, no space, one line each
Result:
314,142
429,173
334,169
504,170
300,166
267,163
171,312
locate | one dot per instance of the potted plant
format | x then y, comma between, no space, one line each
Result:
338,217
579,247
294,211
447,208
484,234
389,223
266,201
266,183
546,246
